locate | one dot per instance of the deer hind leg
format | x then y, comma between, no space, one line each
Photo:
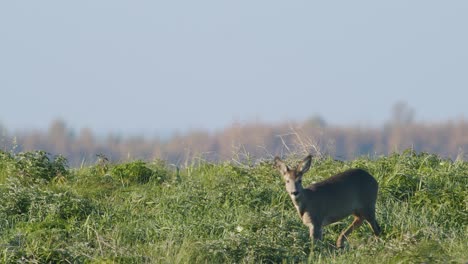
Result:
356,223
370,217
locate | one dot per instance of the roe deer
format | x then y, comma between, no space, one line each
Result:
351,192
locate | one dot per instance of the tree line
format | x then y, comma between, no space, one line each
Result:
253,141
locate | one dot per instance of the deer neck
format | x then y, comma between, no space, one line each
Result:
298,201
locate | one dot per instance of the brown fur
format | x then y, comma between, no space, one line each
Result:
353,192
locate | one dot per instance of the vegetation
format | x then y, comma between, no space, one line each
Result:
149,212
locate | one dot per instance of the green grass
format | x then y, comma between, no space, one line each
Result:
141,212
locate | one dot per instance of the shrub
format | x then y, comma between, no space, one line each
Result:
136,172
37,165
6,162
35,204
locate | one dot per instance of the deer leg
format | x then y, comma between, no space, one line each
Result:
375,227
311,230
356,223
315,232
370,217
315,229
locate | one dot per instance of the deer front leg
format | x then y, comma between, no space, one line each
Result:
315,226
311,230
315,232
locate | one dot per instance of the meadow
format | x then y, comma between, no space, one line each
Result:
151,212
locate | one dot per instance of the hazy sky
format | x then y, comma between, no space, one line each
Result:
158,66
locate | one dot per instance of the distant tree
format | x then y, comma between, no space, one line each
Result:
4,138
58,136
315,121
85,145
86,138
402,113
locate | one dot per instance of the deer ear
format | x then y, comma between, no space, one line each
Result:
304,166
279,164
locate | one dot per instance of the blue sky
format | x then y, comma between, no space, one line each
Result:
140,67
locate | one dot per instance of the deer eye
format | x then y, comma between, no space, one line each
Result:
287,181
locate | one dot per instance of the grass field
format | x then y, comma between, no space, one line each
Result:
148,212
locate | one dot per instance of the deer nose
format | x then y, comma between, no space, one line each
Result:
295,193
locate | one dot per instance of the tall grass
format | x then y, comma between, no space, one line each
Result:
146,212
